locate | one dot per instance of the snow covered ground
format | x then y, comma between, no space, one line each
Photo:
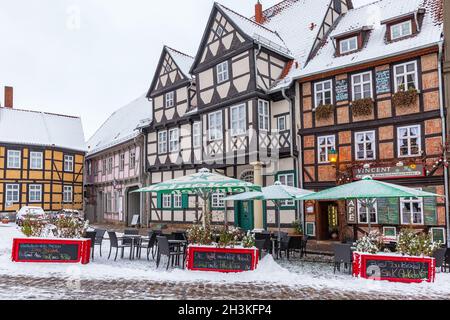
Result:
295,274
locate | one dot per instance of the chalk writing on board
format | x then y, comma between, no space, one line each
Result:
398,269
48,252
222,261
383,81
341,90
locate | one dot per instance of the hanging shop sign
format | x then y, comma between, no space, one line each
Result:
351,212
390,172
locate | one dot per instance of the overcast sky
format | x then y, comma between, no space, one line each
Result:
90,57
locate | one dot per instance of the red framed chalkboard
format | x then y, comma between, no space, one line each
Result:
37,250
394,268
225,260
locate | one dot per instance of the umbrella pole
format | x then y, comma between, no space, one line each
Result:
369,217
277,208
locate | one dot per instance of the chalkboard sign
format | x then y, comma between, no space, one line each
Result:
383,81
341,90
48,252
409,270
222,259
388,211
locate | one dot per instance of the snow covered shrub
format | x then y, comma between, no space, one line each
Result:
229,237
405,98
248,241
362,107
412,244
32,227
70,228
371,243
199,235
324,111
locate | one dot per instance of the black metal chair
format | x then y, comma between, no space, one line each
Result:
114,243
259,244
179,235
165,249
304,245
267,241
439,256
99,236
447,260
91,235
342,255
149,245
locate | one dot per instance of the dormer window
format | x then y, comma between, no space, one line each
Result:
401,30
348,45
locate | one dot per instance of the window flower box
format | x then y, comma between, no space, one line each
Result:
362,107
405,98
324,111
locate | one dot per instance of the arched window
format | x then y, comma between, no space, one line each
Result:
247,176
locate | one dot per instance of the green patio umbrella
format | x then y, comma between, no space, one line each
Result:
278,193
204,183
368,190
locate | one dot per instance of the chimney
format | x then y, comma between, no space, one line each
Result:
259,17
9,97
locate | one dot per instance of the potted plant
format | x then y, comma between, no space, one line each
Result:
324,111
362,107
404,98
5,219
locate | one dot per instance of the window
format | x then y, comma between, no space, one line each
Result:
438,235
166,200
325,145
363,216
108,202
14,159
110,165
121,161
177,201
162,142
174,140
348,45
281,122
68,194
222,72
133,159
401,30
36,160
197,135
409,141
68,163
217,200
215,126
287,179
104,166
411,211
365,145
170,99
238,120
406,76
362,85
263,113
219,31
12,193
35,193
323,93
89,168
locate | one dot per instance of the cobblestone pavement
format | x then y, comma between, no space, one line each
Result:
58,288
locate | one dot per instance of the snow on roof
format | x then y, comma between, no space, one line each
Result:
183,61
376,48
121,126
41,129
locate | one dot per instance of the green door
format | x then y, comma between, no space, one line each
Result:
244,215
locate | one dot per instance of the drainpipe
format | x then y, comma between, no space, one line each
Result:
444,141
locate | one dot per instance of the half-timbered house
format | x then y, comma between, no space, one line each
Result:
41,159
219,110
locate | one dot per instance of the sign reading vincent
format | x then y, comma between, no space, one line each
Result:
390,172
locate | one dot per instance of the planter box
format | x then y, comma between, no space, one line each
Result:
51,250
227,260
394,268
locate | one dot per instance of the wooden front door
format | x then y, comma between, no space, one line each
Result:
244,215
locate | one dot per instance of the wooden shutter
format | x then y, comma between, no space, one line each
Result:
159,200
185,201
430,208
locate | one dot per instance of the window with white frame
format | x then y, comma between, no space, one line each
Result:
326,144
263,113
400,30
110,165
323,93
13,160
68,163
348,45
174,140
35,193
238,120
409,141
162,142
222,72
68,194
217,200
362,85
166,200
287,179
365,145
281,123
12,193
215,126
36,160
405,75
177,201
411,211
132,164
197,134
122,161
219,31
108,202
170,99
363,210
104,166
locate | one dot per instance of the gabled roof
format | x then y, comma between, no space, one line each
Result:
26,127
121,126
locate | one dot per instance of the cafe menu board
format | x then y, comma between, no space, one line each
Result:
383,81
341,90
394,268
51,251
222,259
